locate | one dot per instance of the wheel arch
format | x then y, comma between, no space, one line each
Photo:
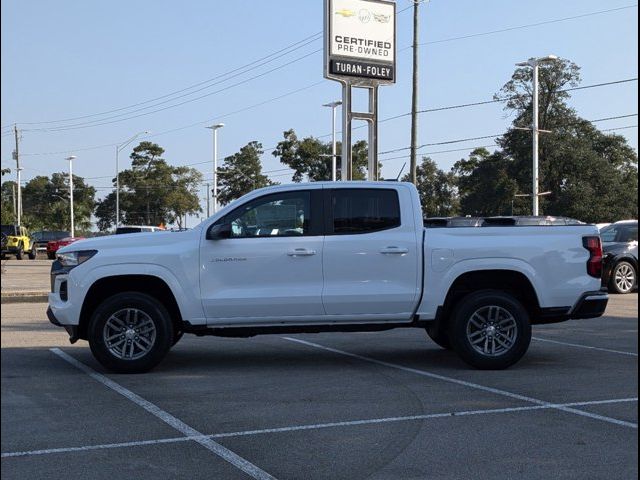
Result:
106,287
511,282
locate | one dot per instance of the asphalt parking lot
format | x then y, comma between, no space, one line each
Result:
385,405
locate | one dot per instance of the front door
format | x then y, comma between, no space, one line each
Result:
269,270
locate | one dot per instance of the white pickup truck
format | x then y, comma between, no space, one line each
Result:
318,257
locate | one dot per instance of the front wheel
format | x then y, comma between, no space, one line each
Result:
33,253
20,253
490,330
130,333
623,278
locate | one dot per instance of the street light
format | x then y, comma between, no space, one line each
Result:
535,64
71,159
215,129
118,149
333,106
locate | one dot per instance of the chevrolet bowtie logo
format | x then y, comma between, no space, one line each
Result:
345,13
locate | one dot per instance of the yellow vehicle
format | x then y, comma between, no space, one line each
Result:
16,241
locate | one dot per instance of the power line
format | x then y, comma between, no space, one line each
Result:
529,25
93,124
288,49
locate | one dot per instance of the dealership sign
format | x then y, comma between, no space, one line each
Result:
360,41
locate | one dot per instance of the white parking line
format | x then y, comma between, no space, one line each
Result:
464,383
577,345
316,426
189,432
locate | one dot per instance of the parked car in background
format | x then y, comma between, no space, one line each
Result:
620,246
43,237
601,226
137,229
17,241
54,245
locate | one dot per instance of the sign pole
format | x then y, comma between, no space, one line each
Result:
372,170
346,162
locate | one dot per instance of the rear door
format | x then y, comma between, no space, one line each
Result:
371,255
270,269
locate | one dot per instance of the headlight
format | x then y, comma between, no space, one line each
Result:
73,259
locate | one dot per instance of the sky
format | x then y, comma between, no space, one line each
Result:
80,77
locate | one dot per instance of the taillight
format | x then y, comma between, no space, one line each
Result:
594,264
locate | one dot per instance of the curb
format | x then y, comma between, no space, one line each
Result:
24,297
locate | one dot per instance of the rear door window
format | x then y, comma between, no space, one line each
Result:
363,210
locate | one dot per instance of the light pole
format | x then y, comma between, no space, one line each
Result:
71,159
334,151
215,129
535,64
118,149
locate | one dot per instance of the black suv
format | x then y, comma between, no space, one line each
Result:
620,245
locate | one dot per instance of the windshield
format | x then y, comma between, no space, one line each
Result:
9,229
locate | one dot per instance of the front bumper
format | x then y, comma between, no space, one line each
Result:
10,250
72,330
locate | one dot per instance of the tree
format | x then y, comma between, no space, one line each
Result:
311,158
437,190
46,204
8,202
591,175
485,184
241,173
152,191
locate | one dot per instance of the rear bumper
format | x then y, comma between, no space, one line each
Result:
72,330
591,305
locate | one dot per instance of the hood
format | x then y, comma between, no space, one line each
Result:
129,240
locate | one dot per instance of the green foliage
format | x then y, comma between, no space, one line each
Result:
311,158
8,209
241,173
46,205
152,192
437,190
592,176
485,184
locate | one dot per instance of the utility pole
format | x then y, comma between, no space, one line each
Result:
535,64
215,129
334,151
71,159
208,200
414,96
16,157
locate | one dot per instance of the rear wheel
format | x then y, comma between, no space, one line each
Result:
51,256
439,335
490,330
623,278
130,333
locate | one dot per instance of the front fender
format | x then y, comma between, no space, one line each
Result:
188,302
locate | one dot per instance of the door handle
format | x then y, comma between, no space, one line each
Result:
394,251
301,252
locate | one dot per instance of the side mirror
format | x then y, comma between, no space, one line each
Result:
219,231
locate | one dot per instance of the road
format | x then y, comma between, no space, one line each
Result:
328,406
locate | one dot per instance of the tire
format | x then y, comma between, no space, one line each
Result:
439,335
33,253
624,278
20,253
51,256
146,344
490,330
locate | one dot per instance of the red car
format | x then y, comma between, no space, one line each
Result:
54,245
